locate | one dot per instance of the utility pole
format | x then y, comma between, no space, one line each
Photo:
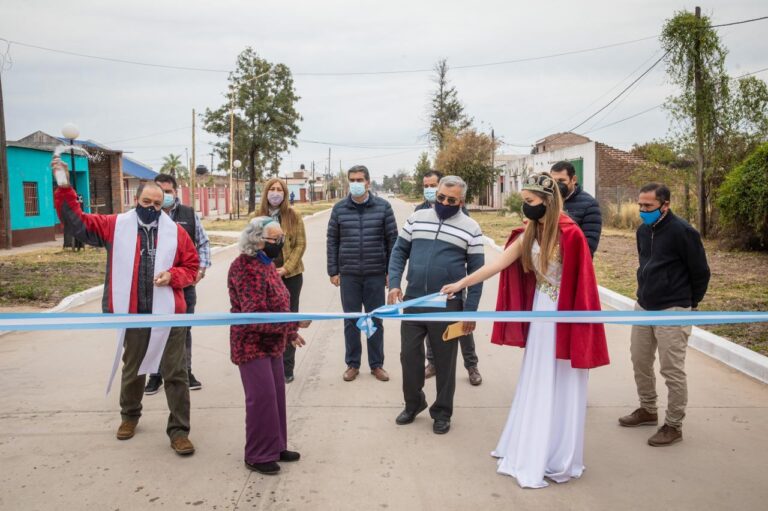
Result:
5,190
328,176
192,165
697,83
493,161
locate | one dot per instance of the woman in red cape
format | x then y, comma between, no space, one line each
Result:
546,266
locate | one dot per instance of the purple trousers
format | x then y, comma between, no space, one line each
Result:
265,426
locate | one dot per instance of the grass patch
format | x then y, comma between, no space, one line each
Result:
495,225
44,277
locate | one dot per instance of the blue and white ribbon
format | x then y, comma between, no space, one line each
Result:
97,321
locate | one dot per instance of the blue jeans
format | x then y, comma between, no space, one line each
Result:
358,292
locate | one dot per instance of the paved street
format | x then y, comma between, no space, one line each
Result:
58,449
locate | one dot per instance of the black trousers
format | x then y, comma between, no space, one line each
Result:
467,343
294,288
412,335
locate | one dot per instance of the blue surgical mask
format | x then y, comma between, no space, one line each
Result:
357,189
430,194
168,200
650,217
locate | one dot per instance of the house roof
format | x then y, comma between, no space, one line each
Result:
137,169
45,142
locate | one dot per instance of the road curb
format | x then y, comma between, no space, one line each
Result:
721,349
83,297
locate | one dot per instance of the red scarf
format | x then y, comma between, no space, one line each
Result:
583,344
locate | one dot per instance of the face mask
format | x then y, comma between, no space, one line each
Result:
534,212
445,212
357,189
272,250
147,215
275,198
168,200
650,217
430,194
564,191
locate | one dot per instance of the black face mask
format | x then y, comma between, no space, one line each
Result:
445,212
147,215
272,250
534,212
564,191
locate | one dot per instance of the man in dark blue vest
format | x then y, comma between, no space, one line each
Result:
188,219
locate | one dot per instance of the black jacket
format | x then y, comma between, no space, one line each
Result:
585,211
360,237
673,268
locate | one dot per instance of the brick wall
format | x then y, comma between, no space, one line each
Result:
116,177
615,169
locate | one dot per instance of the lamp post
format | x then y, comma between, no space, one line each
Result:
71,132
237,164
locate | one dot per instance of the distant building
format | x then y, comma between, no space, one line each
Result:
33,218
603,171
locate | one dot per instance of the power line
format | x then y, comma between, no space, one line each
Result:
363,145
359,73
150,135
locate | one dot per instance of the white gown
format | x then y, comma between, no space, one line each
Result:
544,433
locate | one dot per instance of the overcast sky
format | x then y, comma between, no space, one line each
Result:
120,104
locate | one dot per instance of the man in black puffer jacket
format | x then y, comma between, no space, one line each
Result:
361,233
580,206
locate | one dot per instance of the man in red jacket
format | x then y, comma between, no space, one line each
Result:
150,260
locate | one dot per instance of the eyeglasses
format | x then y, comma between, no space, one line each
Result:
452,201
277,240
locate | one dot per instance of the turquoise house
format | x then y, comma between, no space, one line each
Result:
30,183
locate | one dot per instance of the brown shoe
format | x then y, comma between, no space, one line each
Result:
430,370
351,373
380,374
126,430
640,417
666,435
474,376
182,445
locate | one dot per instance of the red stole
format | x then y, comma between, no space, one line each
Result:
583,344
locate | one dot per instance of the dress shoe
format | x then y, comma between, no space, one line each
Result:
270,468
288,378
474,376
441,427
640,417
290,456
430,370
406,416
380,374
126,430
666,435
351,373
182,445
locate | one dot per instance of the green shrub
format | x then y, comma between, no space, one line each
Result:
514,204
743,200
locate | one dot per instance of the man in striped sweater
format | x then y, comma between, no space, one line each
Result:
441,245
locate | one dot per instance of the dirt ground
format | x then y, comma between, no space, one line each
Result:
738,283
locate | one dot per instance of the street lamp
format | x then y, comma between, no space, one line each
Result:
236,164
71,132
